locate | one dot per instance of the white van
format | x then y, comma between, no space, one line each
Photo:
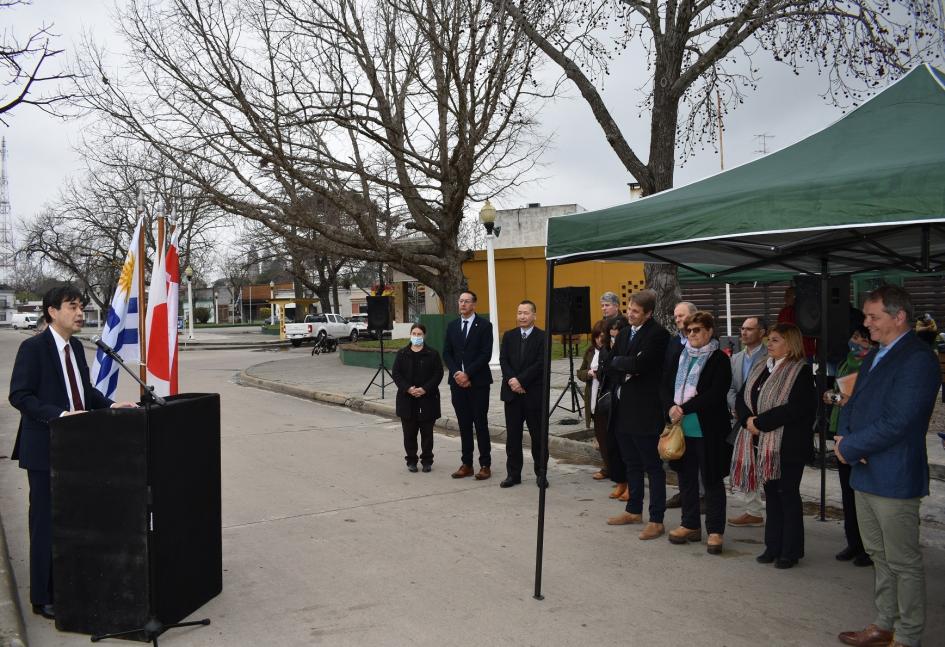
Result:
24,320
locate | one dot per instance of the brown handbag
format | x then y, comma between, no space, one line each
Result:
672,443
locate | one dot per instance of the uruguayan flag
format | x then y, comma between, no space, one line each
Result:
121,325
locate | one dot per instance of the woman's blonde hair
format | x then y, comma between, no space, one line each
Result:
792,337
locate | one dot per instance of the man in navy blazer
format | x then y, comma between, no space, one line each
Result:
50,379
881,434
467,350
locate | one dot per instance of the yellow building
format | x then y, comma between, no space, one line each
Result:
520,274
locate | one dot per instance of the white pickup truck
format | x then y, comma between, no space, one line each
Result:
320,326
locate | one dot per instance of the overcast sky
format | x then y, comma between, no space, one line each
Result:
579,168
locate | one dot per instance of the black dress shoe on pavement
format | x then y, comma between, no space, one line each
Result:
426,468
862,560
412,467
765,558
785,563
846,555
509,481
45,610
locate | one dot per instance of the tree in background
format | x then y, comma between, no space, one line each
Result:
701,57
394,113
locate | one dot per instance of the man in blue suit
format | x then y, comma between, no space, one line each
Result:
466,352
50,379
881,434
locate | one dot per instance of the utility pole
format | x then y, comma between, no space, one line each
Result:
6,225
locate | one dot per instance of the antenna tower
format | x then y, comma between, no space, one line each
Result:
6,225
763,143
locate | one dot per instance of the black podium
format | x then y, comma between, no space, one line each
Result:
136,516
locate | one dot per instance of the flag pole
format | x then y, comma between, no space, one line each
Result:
142,303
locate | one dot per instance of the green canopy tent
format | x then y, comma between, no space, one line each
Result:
864,194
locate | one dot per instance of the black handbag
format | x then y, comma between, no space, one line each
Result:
603,405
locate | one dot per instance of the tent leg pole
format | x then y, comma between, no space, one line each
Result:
543,432
822,382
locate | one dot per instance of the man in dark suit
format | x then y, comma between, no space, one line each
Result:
637,366
50,379
881,435
467,351
521,356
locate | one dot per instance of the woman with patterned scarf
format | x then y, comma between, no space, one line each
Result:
695,394
776,409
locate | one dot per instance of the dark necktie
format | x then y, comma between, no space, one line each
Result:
73,384
465,328
524,339
633,333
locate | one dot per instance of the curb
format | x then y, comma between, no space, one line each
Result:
562,449
12,631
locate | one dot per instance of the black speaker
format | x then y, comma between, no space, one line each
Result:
378,313
571,310
136,515
808,311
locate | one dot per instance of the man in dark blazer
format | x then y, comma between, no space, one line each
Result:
467,350
50,379
637,364
521,355
881,433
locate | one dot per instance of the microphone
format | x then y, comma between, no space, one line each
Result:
102,346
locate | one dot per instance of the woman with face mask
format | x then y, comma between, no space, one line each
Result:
417,372
859,346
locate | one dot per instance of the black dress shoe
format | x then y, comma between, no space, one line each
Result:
426,468
509,481
785,563
862,560
45,610
765,558
846,554
412,467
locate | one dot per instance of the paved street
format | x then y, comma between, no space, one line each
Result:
328,540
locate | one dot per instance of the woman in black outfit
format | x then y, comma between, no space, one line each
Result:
590,374
616,468
417,372
695,393
776,409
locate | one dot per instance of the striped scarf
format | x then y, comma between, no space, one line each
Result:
687,373
750,467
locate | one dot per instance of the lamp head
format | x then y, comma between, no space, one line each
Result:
487,217
189,272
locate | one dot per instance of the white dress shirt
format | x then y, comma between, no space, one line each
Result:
61,348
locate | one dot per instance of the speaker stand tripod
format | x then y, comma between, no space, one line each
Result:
381,370
571,387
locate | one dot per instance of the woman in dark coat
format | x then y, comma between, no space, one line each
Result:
776,408
589,373
616,468
417,372
695,394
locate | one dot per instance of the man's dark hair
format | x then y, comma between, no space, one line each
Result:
894,300
57,296
470,293
762,322
526,302
646,299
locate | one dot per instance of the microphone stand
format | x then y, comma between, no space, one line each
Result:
148,394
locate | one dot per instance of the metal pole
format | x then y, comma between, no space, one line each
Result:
822,382
190,305
493,302
543,433
728,308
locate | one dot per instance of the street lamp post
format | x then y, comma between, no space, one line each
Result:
189,273
216,307
272,303
487,217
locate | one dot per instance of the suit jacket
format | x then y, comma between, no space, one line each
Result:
796,416
636,368
711,409
886,419
738,378
527,367
421,368
470,354
38,392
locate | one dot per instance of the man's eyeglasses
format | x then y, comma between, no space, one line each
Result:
695,330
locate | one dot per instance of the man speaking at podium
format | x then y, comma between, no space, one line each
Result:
50,379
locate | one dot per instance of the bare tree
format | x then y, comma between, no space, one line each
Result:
700,56
85,233
426,103
24,66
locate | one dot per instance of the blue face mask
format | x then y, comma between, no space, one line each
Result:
416,341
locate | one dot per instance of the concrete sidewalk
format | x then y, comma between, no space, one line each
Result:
325,379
